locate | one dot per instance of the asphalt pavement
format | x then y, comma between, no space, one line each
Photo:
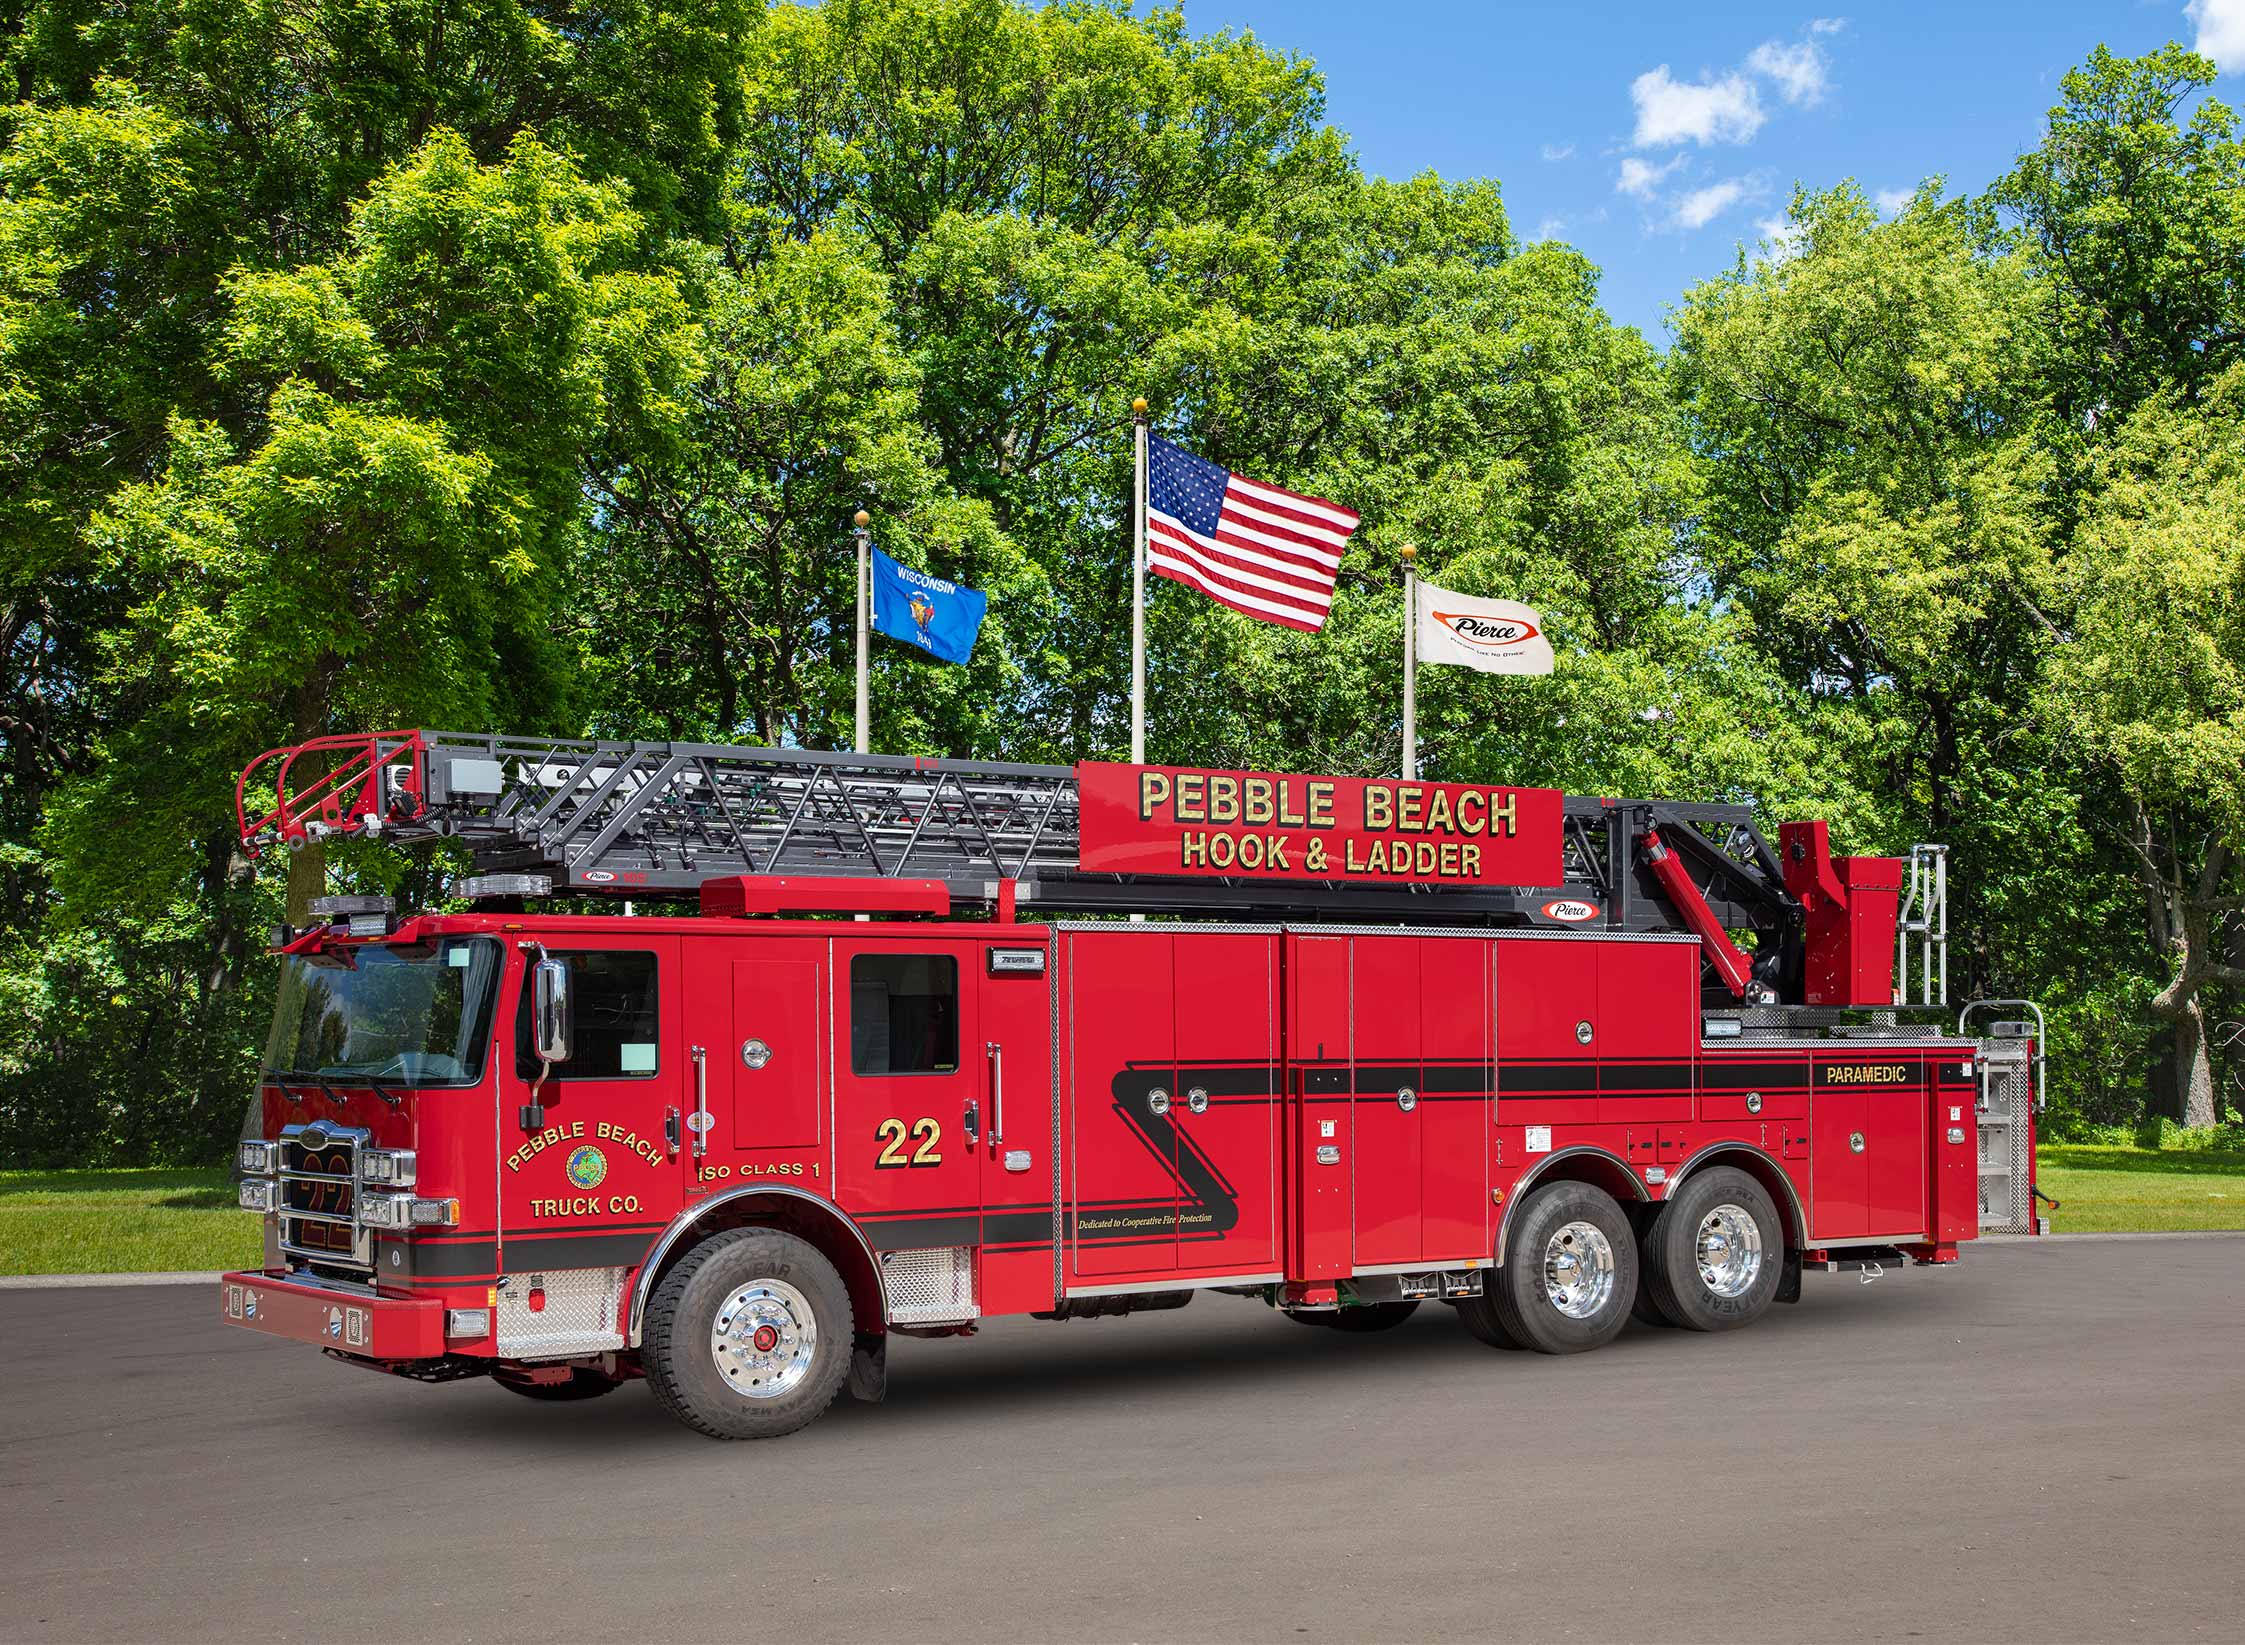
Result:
2040,1444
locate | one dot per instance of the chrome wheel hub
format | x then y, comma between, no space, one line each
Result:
764,1339
1728,1248
1578,1270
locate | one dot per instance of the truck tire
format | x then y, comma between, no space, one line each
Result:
1570,1271
1644,1310
1478,1314
1717,1253
749,1337
582,1384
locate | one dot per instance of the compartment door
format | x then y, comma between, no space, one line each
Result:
1384,1033
1898,1159
1226,1108
1648,1031
1456,1050
909,1073
1546,987
1118,1064
1839,1168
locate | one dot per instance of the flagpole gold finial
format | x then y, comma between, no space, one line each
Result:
1138,408
1408,552
861,519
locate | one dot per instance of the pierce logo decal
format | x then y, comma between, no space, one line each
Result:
1570,911
587,1166
1488,633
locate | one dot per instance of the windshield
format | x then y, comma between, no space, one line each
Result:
418,1015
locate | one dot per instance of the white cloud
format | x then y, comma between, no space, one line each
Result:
1892,200
1797,69
2221,32
1698,207
1559,151
1784,237
1669,111
1641,177
1551,228
1826,25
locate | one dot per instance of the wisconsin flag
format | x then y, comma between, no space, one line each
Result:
940,617
1494,636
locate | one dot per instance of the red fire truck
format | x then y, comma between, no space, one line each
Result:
1347,1046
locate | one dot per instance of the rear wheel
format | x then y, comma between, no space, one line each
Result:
1643,1309
1478,1314
749,1336
1570,1271
1717,1254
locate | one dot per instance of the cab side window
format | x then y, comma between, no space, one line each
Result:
614,1014
904,1014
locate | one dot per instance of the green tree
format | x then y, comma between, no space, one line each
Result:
2133,224
725,542
2152,680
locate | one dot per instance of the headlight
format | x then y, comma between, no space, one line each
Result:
258,1194
257,1158
390,1167
404,1211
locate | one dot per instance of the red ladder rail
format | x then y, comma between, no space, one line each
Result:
381,779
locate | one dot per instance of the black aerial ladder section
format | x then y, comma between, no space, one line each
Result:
660,820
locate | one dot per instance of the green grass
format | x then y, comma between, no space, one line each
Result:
122,1222
2127,1190
108,1222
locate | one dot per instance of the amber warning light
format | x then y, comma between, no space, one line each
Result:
1267,825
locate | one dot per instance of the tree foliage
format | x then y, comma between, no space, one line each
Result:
384,361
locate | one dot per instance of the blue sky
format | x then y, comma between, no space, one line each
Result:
1657,137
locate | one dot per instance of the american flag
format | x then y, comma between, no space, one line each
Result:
1257,548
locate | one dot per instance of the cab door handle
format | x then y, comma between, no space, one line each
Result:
997,1057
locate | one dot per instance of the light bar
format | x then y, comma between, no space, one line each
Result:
342,907
503,885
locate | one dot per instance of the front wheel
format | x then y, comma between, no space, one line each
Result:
1570,1271
749,1336
1715,1257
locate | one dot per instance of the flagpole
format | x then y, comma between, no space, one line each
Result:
1410,665
864,635
1138,586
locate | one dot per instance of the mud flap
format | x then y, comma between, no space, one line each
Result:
869,1364
1789,1282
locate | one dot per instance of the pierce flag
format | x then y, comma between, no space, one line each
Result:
1494,636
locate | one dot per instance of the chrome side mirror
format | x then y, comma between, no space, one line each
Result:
549,1010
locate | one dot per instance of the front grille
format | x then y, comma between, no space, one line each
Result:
319,1197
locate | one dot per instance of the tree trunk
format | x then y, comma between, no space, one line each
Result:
307,878
2194,1066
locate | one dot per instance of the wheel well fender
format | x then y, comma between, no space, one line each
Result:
811,1219
1594,1166
1764,1170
